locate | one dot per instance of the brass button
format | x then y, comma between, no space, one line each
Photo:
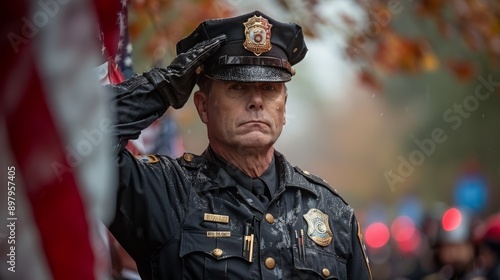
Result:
269,218
295,50
326,272
217,252
270,263
188,157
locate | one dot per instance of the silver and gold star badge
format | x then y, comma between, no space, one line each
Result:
257,35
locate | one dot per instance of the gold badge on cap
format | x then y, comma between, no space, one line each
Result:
257,35
318,228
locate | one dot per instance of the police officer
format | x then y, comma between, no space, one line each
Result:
240,210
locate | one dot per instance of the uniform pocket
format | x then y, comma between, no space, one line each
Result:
318,265
212,258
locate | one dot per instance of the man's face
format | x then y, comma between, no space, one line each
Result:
243,116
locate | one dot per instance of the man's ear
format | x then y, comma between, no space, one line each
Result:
200,102
284,109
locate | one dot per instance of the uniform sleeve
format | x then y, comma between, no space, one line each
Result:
151,203
358,265
151,194
137,104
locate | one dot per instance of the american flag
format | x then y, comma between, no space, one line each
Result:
163,135
55,127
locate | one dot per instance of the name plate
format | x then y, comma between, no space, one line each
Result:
216,234
216,218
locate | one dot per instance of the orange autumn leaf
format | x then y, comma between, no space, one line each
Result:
395,53
367,80
430,7
429,62
464,70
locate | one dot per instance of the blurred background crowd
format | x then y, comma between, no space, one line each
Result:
395,105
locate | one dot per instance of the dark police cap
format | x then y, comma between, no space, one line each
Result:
258,48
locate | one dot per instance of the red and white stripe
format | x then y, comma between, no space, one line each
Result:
54,127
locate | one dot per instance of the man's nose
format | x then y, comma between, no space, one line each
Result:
256,101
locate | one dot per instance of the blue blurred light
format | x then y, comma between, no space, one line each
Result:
471,192
411,206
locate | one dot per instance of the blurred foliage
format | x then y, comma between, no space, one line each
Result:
157,24
475,22
377,42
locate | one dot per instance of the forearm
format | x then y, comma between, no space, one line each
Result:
137,103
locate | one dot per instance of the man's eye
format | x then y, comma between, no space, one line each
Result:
269,88
236,87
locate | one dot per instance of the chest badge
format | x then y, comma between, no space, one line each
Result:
257,35
318,228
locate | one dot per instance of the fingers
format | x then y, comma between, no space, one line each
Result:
186,63
205,49
214,44
209,45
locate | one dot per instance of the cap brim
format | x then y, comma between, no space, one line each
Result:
250,74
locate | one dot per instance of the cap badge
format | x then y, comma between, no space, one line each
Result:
257,35
318,228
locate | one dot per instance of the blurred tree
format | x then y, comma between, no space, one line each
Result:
157,24
376,41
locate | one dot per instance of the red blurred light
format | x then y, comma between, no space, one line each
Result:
403,228
451,219
411,244
377,235
405,233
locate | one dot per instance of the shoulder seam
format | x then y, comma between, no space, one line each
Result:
318,180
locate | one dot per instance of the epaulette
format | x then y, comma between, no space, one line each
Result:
191,160
148,158
315,179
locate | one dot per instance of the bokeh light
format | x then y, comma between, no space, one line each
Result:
403,228
406,234
451,219
377,235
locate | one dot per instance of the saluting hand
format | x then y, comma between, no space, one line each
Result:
176,82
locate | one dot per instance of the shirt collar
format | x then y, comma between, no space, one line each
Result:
269,176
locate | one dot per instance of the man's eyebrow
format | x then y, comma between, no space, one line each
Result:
232,83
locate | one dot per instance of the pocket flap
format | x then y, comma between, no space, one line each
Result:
219,248
323,264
